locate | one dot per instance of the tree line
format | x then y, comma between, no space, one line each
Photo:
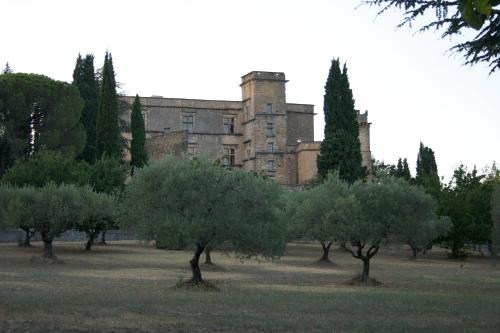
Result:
63,170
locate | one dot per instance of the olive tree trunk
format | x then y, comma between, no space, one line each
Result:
208,258
365,275
28,234
48,251
103,238
91,236
326,251
195,267
364,257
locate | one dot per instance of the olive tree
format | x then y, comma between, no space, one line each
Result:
204,204
57,209
98,210
317,213
379,213
417,224
8,207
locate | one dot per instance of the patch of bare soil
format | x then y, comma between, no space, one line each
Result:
212,268
202,286
324,263
359,281
37,259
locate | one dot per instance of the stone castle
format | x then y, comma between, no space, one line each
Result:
261,133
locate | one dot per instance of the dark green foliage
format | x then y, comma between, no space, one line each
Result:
402,170
427,173
137,152
47,167
455,18
495,214
9,207
205,205
85,80
340,150
399,168
37,112
107,175
318,212
467,201
108,135
99,214
406,175
383,212
382,169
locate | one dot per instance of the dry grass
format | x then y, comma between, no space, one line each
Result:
127,287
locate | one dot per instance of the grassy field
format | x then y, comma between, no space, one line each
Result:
127,287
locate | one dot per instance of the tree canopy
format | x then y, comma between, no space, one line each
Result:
138,156
453,18
467,201
317,213
340,150
108,135
381,213
196,202
85,80
37,113
427,172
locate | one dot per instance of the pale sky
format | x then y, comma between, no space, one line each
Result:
413,90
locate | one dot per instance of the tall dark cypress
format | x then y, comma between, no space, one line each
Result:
340,149
427,172
399,168
406,170
85,80
108,135
138,155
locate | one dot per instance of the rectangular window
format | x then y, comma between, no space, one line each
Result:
270,147
229,158
270,165
269,108
269,129
228,125
191,152
187,123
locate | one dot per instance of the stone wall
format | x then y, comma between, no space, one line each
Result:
307,153
175,143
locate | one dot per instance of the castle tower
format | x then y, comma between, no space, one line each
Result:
264,123
364,139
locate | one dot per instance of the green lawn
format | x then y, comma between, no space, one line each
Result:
127,287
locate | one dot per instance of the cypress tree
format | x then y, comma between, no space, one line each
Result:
340,149
108,135
406,171
138,155
85,79
399,168
427,172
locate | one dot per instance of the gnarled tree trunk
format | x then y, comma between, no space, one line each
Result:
326,251
195,267
103,238
48,251
91,236
366,269
28,234
208,258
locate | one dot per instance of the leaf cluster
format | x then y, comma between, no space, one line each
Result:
180,202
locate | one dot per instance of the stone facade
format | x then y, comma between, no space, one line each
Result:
261,133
